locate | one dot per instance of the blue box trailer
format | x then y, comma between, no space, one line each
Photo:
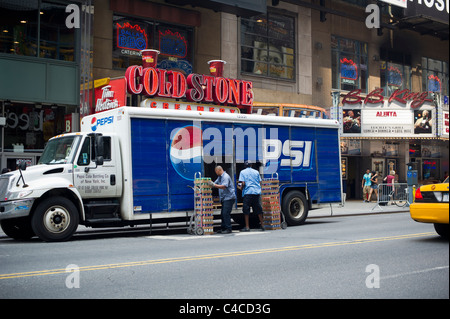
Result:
167,152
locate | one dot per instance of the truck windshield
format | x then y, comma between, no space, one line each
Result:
59,150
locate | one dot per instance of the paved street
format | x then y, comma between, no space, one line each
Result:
328,257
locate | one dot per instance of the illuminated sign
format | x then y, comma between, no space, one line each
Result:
172,44
394,76
416,99
434,83
131,37
195,87
349,70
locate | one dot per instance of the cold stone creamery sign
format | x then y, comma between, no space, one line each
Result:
195,88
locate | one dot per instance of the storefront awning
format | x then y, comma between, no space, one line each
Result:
242,8
391,138
425,26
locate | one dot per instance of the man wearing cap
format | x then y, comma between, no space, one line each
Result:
227,197
250,184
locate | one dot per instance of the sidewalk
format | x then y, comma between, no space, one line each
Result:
356,207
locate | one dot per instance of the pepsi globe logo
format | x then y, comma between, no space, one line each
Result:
100,122
186,151
94,124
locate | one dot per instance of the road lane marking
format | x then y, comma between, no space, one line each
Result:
414,272
214,256
190,237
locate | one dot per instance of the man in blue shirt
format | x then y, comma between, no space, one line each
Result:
365,184
250,183
227,197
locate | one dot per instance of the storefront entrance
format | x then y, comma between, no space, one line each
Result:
354,177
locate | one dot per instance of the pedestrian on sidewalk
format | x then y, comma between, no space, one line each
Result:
374,185
390,180
227,198
365,185
250,184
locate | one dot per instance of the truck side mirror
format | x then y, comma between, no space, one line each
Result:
99,160
22,165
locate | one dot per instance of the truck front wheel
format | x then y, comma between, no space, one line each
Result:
295,208
55,219
18,228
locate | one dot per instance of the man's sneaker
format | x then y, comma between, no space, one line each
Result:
226,231
245,229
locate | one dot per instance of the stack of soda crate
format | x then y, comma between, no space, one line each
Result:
204,205
271,204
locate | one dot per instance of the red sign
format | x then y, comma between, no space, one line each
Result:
402,96
110,96
195,88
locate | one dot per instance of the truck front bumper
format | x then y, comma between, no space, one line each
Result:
15,208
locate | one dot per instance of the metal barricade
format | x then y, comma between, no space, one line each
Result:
392,194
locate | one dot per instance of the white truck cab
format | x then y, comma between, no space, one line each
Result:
62,188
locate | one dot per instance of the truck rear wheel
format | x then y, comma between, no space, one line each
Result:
18,228
295,208
55,219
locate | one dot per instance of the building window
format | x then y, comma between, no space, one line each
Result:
268,46
29,126
349,64
36,28
435,76
56,41
130,36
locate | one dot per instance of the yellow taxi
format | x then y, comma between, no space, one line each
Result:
431,206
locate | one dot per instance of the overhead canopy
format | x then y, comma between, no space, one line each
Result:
242,8
425,26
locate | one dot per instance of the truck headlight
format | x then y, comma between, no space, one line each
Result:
19,195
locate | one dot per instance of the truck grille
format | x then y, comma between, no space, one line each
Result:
4,185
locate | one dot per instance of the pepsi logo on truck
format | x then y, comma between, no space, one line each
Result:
100,122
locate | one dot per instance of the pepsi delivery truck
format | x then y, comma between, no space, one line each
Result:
134,165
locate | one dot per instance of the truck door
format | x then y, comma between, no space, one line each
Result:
97,181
